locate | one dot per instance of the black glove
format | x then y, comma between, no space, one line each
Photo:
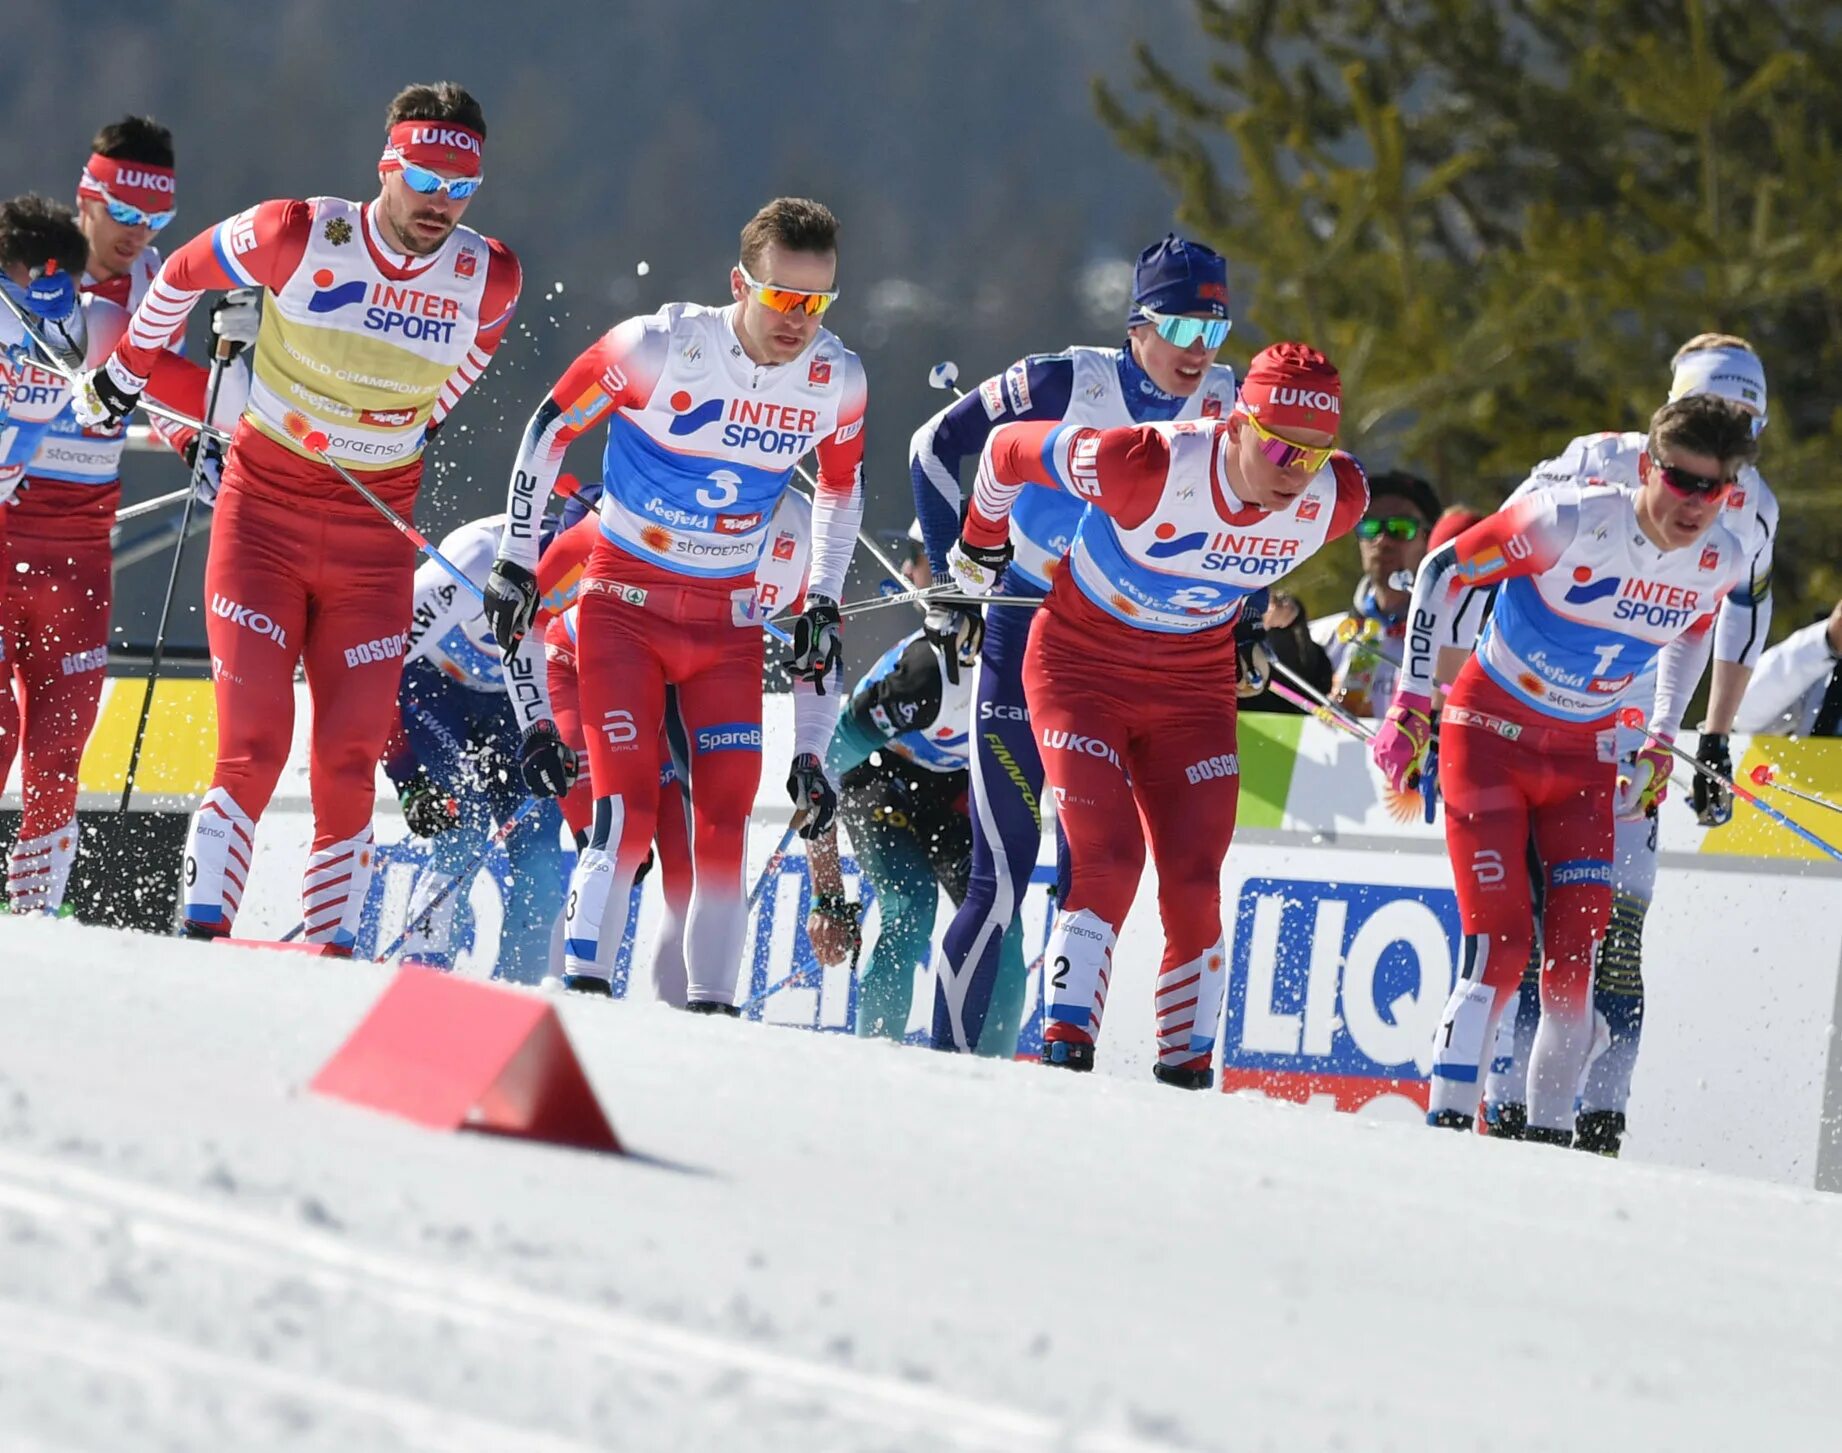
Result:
546,762
808,787
427,809
818,643
1253,660
99,400
959,631
510,604
204,456
490,767
1712,802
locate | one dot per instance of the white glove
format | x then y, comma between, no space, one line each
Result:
977,568
237,316
10,477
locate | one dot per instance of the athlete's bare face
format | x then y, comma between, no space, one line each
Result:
1256,479
113,247
415,223
1673,520
1178,371
769,336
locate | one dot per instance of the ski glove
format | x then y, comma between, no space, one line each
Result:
818,644
103,397
205,458
1712,802
236,317
1643,781
510,603
1253,660
427,809
808,787
546,762
959,632
1400,746
977,568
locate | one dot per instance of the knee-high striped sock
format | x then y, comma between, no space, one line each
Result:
37,870
1189,1006
220,844
333,891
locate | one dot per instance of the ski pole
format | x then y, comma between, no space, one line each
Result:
1766,775
315,442
780,851
1321,705
928,595
500,837
786,980
1633,718
219,358
148,506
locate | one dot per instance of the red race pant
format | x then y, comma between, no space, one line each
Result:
1509,776
284,586
672,836
640,629
1137,730
58,592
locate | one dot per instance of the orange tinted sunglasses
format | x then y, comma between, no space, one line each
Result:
787,300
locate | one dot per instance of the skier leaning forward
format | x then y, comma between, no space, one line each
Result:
379,317
707,410
1133,665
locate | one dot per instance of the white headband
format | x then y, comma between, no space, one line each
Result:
1728,373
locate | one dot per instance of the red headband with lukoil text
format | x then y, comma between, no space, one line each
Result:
138,183
440,146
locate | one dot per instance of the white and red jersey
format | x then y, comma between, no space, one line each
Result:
701,446
1587,603
369,346
1166,545
1750,515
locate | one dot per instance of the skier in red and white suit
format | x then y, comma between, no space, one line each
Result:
55,602
1598,582
1133,663
379,317
707,411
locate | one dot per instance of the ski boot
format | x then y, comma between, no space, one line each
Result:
1600,1131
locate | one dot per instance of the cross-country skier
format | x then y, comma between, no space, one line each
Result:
55,605
1177,322
707,409
456,766
1133,665
780,578
899,754
1726,367
1596,582
380,316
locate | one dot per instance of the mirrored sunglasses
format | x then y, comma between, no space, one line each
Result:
1182,332
421,179
1395,527
1287,453
787,300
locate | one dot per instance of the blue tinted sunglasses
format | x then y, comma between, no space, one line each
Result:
133,216
421,179
1182,332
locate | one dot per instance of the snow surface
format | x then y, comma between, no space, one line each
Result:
826,1244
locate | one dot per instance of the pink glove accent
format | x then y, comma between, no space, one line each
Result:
1645,782
1400,746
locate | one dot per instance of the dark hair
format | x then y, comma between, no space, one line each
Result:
1705,424
135,138
441,101
35,230
795,223
1410,487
